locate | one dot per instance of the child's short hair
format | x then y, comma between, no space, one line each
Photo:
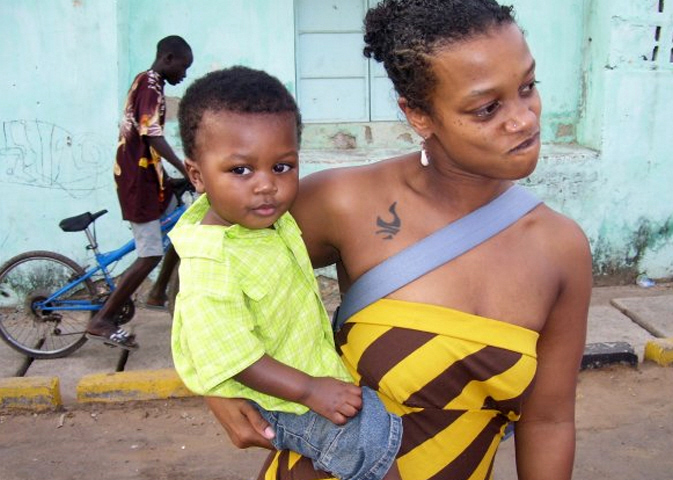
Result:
236,89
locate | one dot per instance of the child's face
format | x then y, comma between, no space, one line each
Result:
248,164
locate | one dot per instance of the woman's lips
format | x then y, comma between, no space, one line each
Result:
531,142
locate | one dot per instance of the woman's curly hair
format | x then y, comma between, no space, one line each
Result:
404,34
237,89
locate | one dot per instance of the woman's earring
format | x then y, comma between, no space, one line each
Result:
424,156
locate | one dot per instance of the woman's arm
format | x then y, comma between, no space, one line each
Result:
545,435
242,422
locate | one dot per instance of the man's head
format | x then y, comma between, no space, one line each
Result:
174,57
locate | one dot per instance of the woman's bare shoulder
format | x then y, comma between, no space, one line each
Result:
560,234
339,189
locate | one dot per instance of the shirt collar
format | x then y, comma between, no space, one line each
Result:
156,76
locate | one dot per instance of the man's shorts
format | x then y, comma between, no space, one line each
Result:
362,449
148,235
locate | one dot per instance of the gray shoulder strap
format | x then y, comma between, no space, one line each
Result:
436,249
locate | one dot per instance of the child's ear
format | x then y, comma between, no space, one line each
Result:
419,121
194,174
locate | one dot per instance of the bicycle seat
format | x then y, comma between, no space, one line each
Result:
80,222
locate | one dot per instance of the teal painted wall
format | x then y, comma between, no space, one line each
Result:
629,98
58,112
68,63
66,67
554,33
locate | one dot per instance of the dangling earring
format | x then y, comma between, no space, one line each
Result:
425,161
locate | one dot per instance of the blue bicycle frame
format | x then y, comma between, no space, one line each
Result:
54,303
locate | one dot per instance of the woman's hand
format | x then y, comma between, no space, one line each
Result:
242,422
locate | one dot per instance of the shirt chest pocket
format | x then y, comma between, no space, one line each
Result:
271,299
264,285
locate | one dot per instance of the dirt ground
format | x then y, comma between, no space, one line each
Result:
625,432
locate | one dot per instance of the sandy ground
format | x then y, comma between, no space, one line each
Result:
625,432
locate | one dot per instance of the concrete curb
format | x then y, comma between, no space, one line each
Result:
602,354
32,393
660,351
637,318
134,385
43,393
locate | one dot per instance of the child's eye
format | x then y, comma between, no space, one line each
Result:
487,111
241,171
282,167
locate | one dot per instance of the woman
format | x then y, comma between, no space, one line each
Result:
498,333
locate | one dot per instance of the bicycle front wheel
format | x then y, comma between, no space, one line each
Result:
36,329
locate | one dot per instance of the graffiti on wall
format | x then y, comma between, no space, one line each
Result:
44,155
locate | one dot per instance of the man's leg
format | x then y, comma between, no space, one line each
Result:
149,246
157,296
102,323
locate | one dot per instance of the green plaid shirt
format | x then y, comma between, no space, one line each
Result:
244,293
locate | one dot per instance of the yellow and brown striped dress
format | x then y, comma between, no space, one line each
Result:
456,380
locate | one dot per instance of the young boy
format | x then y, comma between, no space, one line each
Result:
249,321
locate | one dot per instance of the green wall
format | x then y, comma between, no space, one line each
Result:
58,112
66,66
554,33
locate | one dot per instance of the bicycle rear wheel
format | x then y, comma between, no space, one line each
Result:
36,332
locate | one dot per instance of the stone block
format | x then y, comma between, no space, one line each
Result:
128,386
660,351
34,393
602,354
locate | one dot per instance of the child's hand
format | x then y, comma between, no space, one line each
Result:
335,400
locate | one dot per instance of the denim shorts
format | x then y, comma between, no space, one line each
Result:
362,449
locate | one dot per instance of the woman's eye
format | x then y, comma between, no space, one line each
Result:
487,111
240,170
282,168
529,87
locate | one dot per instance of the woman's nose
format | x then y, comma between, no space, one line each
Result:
523,117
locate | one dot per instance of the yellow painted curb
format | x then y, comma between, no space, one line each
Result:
134,385
30,393
660,351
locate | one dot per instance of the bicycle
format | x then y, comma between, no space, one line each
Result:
47,299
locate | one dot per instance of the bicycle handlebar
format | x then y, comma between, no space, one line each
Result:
180,187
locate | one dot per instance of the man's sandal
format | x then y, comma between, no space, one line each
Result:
119,338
